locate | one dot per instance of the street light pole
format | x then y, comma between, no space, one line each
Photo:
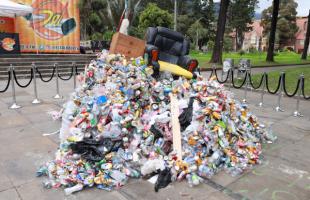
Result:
175,14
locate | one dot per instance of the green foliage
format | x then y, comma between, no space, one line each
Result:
203,10
184,23
99,16
154,16
197,32
286,25
228,43
107,36
241,52
253,49
210,45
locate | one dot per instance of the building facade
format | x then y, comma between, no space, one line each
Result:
254,39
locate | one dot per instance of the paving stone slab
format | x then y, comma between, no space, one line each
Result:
274,179
180,190
10,194
11,121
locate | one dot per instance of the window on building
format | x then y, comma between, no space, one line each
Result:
301,42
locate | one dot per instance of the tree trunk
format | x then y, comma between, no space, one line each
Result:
306,44
239,39
219,40
272,36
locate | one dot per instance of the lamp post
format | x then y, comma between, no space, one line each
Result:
175,14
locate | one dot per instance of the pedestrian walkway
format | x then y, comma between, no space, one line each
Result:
284,173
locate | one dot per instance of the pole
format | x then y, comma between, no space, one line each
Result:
261,103
34,72
74,75
175,14
278,108
57,96
296,112
246,86
14,104
230,75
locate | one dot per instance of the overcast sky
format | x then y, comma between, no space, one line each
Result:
302,9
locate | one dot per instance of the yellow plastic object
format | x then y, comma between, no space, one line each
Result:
175,69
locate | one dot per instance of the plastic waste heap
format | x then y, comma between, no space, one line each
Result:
117,125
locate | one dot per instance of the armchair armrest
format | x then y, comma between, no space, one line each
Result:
153,53
149,48
188,63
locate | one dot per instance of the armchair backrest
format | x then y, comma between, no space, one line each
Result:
167,41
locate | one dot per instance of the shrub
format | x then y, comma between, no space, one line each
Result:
241,52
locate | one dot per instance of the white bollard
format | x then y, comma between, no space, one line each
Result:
34,72
14,104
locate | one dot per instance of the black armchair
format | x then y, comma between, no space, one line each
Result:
169,46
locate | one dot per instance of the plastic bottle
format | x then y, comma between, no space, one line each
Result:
189,180
73,189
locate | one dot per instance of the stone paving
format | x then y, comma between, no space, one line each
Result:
283,175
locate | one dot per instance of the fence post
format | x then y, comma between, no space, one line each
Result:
261,103
230,77
34,72
278,108
57,96
246,86
296,112
74,74
14,104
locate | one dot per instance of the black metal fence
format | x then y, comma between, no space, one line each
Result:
264,86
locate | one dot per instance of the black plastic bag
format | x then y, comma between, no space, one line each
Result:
163,180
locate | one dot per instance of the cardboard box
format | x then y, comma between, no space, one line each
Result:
127,45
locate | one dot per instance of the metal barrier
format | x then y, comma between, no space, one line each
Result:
12,79
280,89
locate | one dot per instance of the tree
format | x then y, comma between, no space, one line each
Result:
240,18
286,21
100,16
153,16
306,45
272,35
218,46
197,32
203,10
91,22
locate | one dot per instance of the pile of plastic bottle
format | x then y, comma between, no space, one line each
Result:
117,125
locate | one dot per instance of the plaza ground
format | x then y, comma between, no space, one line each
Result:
283,175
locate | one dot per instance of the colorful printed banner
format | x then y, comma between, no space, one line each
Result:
9,43
53,27
7,25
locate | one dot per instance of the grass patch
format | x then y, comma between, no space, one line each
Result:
257,59
291,78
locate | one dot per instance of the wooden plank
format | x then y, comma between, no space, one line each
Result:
127,45
176,130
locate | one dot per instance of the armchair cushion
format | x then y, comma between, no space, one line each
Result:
172,46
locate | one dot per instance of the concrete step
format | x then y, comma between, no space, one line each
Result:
26,67
25,74
43,63
38,56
